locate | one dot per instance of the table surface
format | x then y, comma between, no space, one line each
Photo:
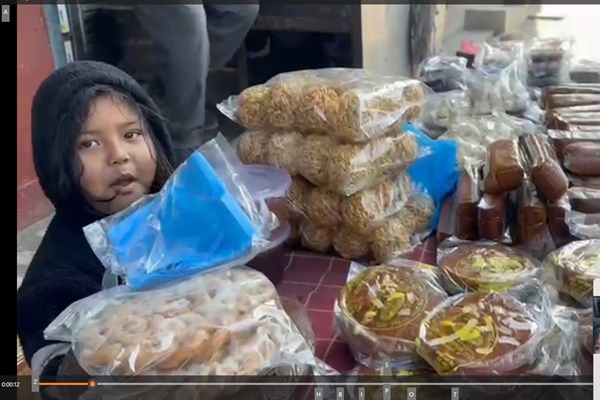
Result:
316,280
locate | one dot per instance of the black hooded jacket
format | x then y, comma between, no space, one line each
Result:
64,268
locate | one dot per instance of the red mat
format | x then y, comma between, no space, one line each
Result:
316,280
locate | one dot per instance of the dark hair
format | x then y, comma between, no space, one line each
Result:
71,124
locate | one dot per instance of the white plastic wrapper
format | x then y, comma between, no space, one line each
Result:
158,239
583,226
222,323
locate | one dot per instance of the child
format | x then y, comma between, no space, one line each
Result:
99,144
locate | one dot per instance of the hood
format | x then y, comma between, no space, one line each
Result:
51,108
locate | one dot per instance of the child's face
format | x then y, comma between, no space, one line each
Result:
118,157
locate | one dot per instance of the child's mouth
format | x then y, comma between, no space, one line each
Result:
125,184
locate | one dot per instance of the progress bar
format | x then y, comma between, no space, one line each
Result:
93,383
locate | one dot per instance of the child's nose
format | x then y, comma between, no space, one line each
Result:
118,154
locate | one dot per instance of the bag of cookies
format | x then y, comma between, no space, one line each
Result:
353,105
157,239
573,268
441,109
228,322
482,334
349,168
474,134
380,308
531,230
403,231
583,226
444,73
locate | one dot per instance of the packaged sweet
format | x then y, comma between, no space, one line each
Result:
570,100
353,105
252,147
282,151
444,73
584,200
351,168
543,166
585,70
366,210
481,334
467,198
488,267
299,316
559,230
503,170
573,269
565,121
351,245
573,88
583,226
474,134
561,139
314,238
497,88
447,221
295,197
583,158
313,156
379,310
227,322
584,181
157,239
532,232
398,234
322,207
492,213
441,109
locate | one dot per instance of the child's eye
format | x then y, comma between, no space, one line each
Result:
88,143
131,135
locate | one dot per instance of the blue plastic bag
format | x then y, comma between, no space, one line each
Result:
192,225
436,173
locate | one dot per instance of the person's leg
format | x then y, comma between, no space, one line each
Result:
180,38
228,25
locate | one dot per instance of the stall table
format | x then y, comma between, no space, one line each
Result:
316,280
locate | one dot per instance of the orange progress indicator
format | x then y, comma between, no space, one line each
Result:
90,383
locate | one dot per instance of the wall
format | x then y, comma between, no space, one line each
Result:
34,63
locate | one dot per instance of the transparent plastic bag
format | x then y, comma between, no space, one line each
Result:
379,310
159,239
503,170
465,210
221,323
295,197
542,164
443,73
299,315
487,267
252,147
561,139
314,238
584,200
482,334
353,105
349,168
322,207
585,71
573,268
366,210
548,61
583,158
441,109
447,221
497,88
492,217
403,231
474,134
560,355
532,234
351,245
583,226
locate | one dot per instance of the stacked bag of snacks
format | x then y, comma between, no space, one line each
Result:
573,122
548,62
343,136
189,307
